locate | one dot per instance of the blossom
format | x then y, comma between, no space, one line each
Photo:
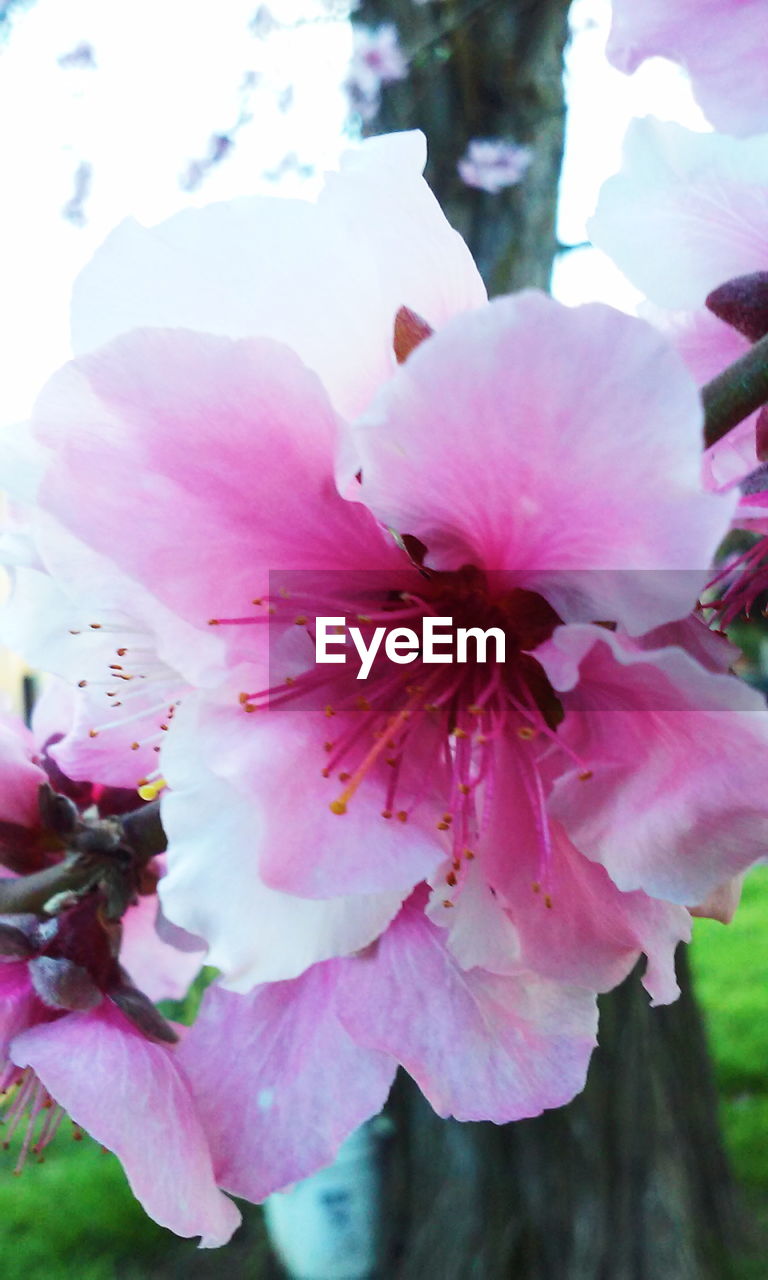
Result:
267,491
443,867
686,213
491,164
76,1033
65,1044
721,44
377,59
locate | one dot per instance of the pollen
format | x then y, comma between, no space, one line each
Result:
151,790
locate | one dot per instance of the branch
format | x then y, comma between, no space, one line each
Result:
735,393
29,894
91,857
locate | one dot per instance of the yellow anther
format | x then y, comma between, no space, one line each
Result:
525,732
338,806
301,621
362,704
464,788
536,887
402,816
344,777
213,622
135,746
459,733
469,854
547,901
386,813
585,775
93,733
443,826
329,711
364,617
151,790
474,710
447,902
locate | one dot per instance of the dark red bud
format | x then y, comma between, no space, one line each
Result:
743,304
761,434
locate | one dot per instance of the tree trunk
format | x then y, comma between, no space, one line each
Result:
485,70
630,1181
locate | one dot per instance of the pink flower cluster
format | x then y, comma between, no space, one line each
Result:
491,164
283,410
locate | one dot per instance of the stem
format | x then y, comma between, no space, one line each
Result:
30,893
736,392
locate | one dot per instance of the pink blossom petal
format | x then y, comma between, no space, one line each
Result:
686,212
480,1046
531,376
572,922
678,753
132,1096
479,931
21,777
161,971
722,44
325,278
214,887
238,442
19,1006
291,1086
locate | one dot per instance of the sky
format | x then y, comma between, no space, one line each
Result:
166,79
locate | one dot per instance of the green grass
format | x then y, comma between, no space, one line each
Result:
731,972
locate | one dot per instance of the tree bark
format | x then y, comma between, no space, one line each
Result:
485,69
630,1181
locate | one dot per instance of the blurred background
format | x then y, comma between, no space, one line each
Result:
116,108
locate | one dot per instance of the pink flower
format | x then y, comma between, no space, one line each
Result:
686,213
722,44
491,164
484,749
67,1047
